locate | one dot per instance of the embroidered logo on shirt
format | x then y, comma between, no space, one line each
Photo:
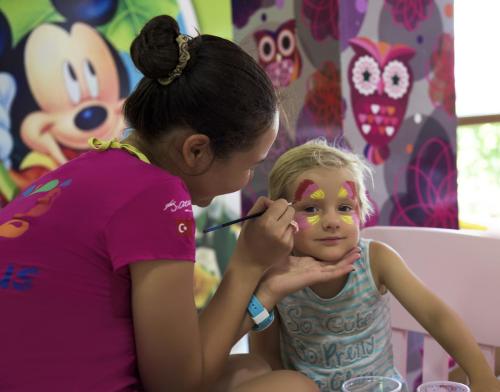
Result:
185,226
174,206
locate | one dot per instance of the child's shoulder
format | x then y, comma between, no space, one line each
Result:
377,249
381,256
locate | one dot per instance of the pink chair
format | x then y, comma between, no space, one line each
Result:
463,268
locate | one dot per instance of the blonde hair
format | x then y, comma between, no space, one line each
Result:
318,153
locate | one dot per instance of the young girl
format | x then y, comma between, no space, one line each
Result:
96,258
339,329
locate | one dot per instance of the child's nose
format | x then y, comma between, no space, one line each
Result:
331,220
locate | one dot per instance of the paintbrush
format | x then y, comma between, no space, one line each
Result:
251,216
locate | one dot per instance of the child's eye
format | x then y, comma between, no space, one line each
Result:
310,209
345,208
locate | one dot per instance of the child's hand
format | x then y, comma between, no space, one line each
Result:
490,385
295,273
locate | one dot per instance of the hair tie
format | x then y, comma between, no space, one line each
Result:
182,41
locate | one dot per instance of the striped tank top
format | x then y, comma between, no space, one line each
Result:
332,340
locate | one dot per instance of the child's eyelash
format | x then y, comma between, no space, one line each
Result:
307,209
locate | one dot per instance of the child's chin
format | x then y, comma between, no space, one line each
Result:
332,257
329,258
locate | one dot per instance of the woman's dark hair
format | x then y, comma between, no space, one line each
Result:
222,93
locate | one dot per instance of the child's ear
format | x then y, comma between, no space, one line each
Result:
197,152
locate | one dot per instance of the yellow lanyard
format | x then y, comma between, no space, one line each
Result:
103,145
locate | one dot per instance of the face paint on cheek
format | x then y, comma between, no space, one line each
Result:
347,219
348,191
355,216
308,189
305,222
313,219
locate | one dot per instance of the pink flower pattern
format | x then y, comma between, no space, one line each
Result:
431,191
442,80
409,12
323,16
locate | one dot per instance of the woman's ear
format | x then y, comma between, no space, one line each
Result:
197,152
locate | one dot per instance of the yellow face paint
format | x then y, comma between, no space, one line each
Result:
309,189
313,219
347,219
342,192
318,195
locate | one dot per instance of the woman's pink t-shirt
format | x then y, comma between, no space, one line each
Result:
66,322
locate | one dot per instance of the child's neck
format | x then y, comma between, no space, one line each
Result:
331,288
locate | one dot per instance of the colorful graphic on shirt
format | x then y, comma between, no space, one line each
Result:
380,79
35,201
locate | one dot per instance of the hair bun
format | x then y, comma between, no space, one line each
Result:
154,51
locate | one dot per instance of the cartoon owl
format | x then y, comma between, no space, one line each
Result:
380,80
278,53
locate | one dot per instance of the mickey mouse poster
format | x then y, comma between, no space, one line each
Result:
62,83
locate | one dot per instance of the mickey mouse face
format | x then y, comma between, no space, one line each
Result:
74,80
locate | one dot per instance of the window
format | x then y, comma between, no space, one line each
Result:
477,78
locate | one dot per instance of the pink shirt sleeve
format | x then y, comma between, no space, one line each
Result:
157,224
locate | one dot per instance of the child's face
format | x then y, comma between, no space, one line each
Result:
327,212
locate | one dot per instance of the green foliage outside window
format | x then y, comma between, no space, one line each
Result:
479,174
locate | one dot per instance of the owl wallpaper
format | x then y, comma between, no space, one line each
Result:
374,77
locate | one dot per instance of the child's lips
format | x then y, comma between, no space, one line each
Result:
333,239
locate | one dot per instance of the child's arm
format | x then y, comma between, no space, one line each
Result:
266,344
390,271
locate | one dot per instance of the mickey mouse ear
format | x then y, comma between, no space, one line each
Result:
93,12
5,35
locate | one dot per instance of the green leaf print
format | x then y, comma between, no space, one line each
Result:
131,16
8,188
24,16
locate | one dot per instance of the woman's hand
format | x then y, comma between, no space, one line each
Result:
267,239
295,273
